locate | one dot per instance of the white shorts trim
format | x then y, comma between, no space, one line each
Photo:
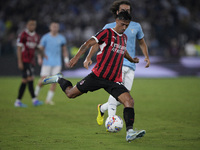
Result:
49,70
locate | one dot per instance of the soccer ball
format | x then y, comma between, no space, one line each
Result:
114,124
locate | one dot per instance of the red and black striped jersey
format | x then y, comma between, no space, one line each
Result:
111,54
29,42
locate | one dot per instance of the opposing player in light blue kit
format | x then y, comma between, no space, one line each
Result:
54,46
134,32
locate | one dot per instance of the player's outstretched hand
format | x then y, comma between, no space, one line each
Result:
73,62
136,60
87,63
148,62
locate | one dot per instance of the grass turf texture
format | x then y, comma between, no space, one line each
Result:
168,109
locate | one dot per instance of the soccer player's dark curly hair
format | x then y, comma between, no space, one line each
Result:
115,6
124,15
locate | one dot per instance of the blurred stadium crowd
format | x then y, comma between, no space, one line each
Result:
171,27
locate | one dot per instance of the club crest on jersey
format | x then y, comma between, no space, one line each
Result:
132,30
114,37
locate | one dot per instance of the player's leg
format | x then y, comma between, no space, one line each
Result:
85,85
127,77
30,79
35,101
112,102
129,117
68,89
121,93
66,85
45,71
111,106
50,94
103,107
22,88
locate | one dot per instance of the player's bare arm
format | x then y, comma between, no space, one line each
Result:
81,51
88,60
40,55
65,55
133,60
144,49
19,58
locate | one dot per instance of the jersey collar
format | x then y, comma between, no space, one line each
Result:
116,32
30,33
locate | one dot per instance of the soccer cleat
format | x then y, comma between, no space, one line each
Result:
132,135
52,79
37,103
20,104
100,117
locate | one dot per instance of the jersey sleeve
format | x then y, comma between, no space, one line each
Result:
64,41
101,36
140,33
21,40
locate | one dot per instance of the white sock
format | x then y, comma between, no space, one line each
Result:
104,107
17,100
37,90
50,95
112,106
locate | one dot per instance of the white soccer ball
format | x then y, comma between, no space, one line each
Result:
114,124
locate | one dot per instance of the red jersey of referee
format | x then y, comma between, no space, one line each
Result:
110,58
28,41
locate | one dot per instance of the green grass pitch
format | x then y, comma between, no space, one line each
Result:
167,108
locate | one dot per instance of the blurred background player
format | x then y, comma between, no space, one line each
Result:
27,42
134,32
54,46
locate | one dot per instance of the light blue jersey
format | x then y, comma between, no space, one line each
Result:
53,49
133,32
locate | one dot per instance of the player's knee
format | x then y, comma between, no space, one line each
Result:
129,102
132,101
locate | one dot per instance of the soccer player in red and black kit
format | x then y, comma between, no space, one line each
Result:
107,73
27,42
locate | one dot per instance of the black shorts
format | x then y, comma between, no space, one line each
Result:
93,83
28,70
